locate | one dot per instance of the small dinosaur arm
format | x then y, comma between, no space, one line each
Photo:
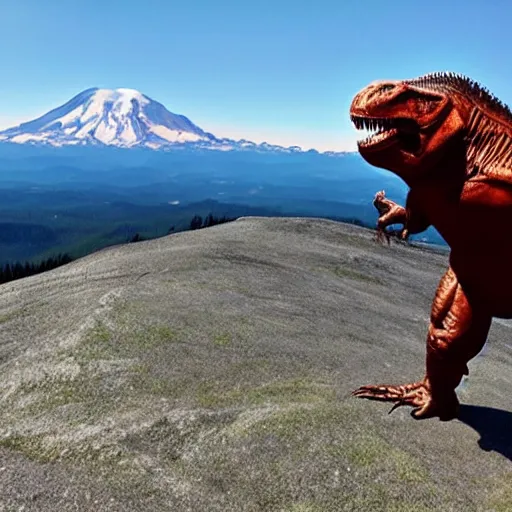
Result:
450,140
389,213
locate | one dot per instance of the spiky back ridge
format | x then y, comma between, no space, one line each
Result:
472,90
489,127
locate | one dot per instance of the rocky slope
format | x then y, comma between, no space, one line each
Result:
211,370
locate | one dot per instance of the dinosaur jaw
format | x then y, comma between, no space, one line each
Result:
386,132
379,140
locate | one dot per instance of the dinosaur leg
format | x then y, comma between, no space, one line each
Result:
396,215
456,334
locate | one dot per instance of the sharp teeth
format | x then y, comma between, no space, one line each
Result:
373,125
377,129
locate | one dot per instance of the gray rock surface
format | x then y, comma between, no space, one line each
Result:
211,371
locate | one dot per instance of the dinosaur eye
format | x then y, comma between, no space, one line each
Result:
386,88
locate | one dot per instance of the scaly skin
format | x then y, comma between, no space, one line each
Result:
389,213
451,142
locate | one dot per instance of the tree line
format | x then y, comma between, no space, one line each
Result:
17,270
197,222
12,271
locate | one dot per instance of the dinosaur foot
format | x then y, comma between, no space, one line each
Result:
381,237
417,395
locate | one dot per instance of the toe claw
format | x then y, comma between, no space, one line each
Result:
386,393
397,405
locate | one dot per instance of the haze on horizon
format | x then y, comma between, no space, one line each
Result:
278,71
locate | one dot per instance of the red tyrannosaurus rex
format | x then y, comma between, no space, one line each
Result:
450,140
389,213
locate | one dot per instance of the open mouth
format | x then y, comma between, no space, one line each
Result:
382,132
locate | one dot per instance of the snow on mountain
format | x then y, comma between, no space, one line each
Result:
117,117
123,118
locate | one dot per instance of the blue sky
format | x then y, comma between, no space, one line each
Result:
282,71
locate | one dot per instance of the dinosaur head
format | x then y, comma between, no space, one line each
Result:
411,125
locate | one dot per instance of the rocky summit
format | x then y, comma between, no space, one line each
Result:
211,370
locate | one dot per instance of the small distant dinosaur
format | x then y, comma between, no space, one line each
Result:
389,213
450,140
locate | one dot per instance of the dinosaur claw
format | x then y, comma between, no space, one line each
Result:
417,395
387,393
368,392
396,406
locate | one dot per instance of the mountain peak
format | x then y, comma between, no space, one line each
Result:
118,117
123,117
122,96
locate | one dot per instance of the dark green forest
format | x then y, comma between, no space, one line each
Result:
12,271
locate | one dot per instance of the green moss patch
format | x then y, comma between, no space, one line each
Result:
348,273
500,499
221,340
123,341
211,394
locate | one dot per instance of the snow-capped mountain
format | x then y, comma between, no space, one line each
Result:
122,118
117,117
